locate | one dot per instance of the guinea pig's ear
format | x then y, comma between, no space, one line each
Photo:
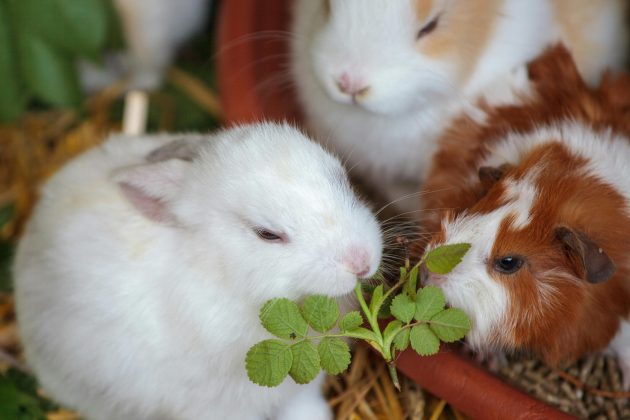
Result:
592,262
490,175
150,188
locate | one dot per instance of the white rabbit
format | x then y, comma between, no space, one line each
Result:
380,80
143,269
153,30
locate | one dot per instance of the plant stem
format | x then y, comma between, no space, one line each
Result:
371,320
404,280
393,373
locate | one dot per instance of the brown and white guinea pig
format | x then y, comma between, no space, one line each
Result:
541,190
379,80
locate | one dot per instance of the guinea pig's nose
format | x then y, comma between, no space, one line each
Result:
423,275
434,279
350,85
356,260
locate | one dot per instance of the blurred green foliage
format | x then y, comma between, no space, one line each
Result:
6,250
19,399
40,42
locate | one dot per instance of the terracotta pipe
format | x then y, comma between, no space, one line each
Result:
471,389
246,67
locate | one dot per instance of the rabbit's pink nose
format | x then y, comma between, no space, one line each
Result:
357,261
351,85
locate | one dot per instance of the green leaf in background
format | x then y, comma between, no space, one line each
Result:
450,325
268,362
6,248
282,318
6,258
28,384
13,96
16,403
350,321
19,398
40,43
7,212
443,259
334,355
401,341
403,308
306,365
321,312
429,301
423,340
48,74
115,37
72,27
85,17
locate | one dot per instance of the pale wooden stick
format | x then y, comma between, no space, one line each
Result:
135,115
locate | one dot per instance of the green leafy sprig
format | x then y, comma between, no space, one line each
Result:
420,321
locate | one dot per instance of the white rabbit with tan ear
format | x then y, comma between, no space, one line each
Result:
380,79
141,274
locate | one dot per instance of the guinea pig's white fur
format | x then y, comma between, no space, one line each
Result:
414,86
153,31
140,276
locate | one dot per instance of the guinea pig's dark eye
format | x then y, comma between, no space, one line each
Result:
508,265
267,235
428,28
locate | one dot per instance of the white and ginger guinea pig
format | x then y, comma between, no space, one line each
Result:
141,274
380,79
541,190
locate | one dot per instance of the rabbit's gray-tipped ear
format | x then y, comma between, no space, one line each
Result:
183,149
150,188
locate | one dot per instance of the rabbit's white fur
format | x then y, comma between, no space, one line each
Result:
153,30
415,87
125,316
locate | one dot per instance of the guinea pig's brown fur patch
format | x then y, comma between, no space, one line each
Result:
553,312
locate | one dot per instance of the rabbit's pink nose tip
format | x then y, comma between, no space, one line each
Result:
357,261
350,85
